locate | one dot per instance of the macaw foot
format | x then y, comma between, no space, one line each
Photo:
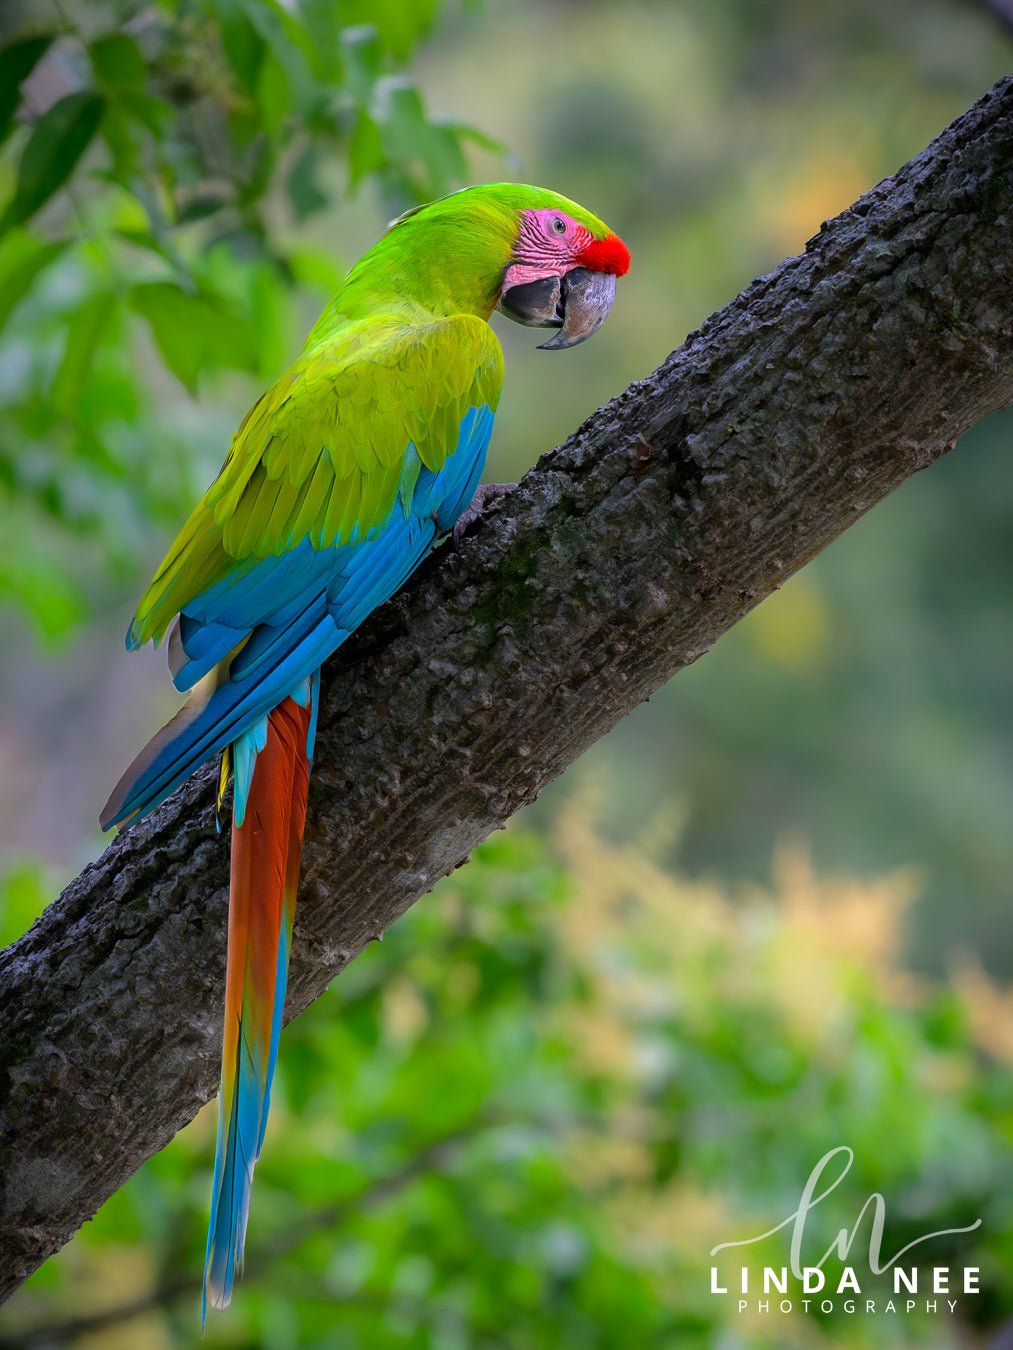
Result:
484,494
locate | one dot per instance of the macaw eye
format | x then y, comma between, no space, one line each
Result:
558,226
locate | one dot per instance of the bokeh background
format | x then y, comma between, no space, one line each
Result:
766,917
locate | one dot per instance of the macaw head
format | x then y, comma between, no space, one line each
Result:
562,271
537,257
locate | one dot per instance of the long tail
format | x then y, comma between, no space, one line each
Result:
271,777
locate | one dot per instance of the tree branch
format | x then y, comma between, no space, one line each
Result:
620,559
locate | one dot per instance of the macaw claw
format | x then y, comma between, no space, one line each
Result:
484,494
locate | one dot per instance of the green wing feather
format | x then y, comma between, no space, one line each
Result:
322,453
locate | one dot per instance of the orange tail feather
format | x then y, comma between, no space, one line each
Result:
266,849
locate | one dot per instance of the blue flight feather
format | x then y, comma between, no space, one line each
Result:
297,608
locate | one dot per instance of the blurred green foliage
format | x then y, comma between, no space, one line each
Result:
527,1116
156,162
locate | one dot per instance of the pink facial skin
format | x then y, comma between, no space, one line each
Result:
550,243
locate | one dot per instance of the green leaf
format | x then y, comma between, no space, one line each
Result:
120,134
22,258
405,126
287,42
465,132
153,113
141,238
58,140
243,46
269,318
318,268
363,60
444,158
274,96
401,26
128,116
17,61
25,890
88,326
365,149
303,190
118,63
411,139
323,20
50,599
200,206
194,333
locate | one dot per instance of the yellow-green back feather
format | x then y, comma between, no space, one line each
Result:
321,454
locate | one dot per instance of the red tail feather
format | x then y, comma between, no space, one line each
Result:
265,875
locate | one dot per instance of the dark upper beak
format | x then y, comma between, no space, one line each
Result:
577,303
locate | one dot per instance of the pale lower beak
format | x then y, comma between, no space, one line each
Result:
586,299
578,303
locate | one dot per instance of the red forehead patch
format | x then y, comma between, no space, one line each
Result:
605,255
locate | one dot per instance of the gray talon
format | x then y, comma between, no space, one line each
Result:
484,494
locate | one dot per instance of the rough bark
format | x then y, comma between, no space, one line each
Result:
621,558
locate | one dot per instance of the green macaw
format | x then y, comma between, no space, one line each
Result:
339,481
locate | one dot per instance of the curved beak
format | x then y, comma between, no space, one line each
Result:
578,303
586,301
